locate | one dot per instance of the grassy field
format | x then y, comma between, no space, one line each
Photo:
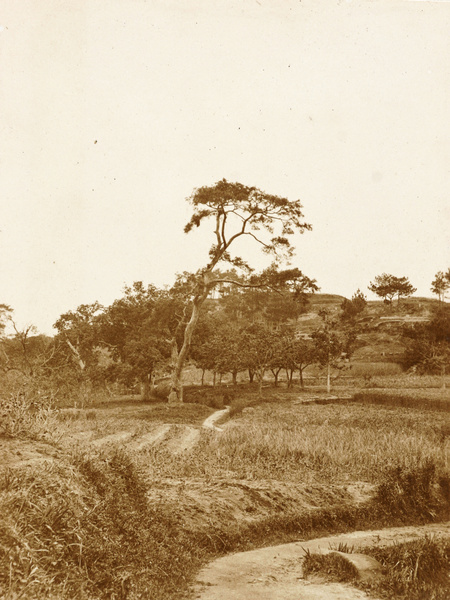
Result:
90,510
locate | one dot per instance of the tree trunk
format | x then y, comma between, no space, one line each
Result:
176,388
251,375
260,375
203,377
214,378
302,383
234,375
287,378
328,377
145,389
275,373
77,355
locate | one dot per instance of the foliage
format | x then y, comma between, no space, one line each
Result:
37,367
85,529
440,284
389,286
108,524
249,212
333,344
259,348
250,304
296,353
420,400
352,309
238,211
413,491
428,344
79,330
127,341
411,570
25,414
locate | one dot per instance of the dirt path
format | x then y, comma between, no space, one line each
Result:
275,573
210,422
176,438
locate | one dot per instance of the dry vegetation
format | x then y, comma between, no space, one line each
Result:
119,520
415,570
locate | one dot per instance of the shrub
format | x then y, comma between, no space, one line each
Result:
332,565
414,493
415,570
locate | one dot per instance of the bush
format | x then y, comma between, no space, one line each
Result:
415,570
332,565
415,493
26,415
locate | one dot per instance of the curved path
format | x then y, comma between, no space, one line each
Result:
275,573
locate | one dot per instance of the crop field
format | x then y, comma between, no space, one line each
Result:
128,500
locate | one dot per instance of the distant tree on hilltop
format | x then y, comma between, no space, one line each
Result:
389,286
440,284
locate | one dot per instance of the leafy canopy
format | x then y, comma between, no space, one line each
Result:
237,211
388,286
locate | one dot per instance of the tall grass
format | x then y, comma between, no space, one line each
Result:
333,443
414,571
84,529
25,415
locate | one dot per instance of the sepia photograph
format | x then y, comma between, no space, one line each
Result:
225,300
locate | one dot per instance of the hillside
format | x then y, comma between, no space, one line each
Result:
381,325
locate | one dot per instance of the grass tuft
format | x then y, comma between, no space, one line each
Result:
331,566
414,571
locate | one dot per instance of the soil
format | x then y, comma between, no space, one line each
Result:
15,452
275,573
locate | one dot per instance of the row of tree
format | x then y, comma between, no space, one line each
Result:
137,338
150,330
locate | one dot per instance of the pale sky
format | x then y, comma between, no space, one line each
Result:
113,111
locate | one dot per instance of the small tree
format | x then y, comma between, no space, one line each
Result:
137,330
5,314
259,347
332,343
389,286
300,354
440,284
77,341
238,212
428,344
351,309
